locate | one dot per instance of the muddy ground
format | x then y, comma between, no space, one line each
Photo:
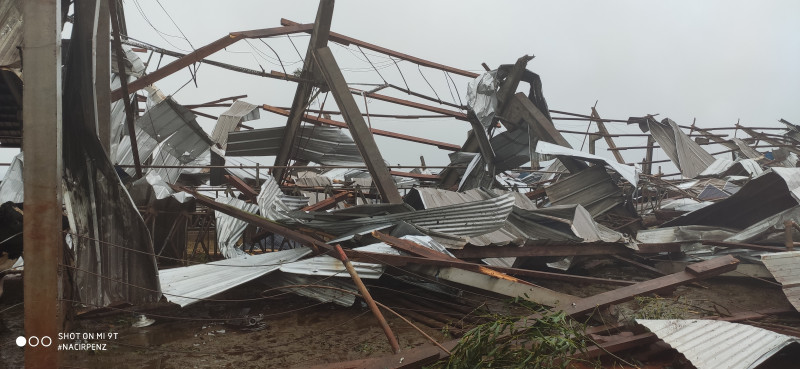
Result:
301,332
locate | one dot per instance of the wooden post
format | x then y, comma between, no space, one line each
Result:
788,229
358,127
609,141
368,298
42,175
649,155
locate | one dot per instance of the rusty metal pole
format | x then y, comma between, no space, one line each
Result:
368,298
788,229
42,175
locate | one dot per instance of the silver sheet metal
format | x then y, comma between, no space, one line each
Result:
318,144
746,150
229,229
482,97
768,229
776,190
319,294
687,155
187,285
723,167
328,266
162,157
12,188
713,344
269,203
124,155
294,202
239,112
785,268
467,219
629,172
592,188
688,236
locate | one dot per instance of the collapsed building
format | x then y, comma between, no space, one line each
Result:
145,197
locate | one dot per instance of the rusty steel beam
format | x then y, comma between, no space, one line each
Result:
378,132
244,188
609,141
450,113
357,126
426,177
344,40
201,53
319,38
328,203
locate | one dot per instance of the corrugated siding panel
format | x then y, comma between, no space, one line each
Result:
712,344
229,229
785,267
592,188
10,31
12,188
187,285
323,145
239,112
328,266
687,155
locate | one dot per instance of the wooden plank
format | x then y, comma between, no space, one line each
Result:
480,252
357,126
411,247
748,246
319,38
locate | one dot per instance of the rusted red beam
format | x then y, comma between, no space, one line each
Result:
344,40
205,51
328,203
452,113
379,132
246,190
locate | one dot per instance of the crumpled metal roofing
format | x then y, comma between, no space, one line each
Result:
482,97
187,285
270,205
318,144
239,112
785,267
724,167
466,219
592,188
319,294
689,234
229,229
713,344
776,190
12,188
124,155
329,266
687,155
767,229
746,150
628,172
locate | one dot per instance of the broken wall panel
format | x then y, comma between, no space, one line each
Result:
229,229
687,155
319,144
592,188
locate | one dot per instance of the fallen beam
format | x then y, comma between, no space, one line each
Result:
246,190
480,252
328,203
205,51
377,132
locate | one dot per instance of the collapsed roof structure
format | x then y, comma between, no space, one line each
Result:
517,204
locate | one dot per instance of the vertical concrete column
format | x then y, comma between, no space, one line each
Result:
41,113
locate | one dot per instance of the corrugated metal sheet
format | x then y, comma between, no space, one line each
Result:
628,172
319,294
785,267
592,188
294,202
239,112
713,344
723,167
467,219
687,155
770,228
684,234
328,266
774,191
318,144
229,229
269,203
12,188
10,32
163,158
124,155
746,150
187,285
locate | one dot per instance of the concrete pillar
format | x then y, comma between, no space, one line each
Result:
42,174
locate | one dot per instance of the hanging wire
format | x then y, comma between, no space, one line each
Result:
295,49
176,25
429,84
160,34
448,87
370,63
401,73
456,87
276,55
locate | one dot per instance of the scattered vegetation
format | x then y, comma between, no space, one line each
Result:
661,308
548,342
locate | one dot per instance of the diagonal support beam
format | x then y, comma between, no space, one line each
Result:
319,38
609,141
358,127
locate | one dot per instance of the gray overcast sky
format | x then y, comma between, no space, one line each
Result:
718,61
